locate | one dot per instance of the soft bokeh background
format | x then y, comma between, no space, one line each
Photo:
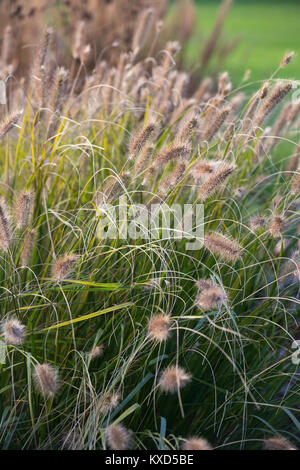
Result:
267,29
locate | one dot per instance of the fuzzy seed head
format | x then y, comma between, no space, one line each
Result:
97,351
79,39
141,139
224,247
203,169
274,98
196,443
27,248
159,327
109,403
278,443
222,82
216,124
295,187
264,91
24,209
211,299
13,332
287,59
173,152
175,177
9,123
64,266
174,378
46,380
257,223
4,226
277,226
44,46
186,130
215,180
118,437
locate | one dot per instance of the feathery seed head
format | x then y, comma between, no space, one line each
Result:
64,266
159,327
9,123
215,180
118,437
143,26
187,127
24,209
97,351
27,248
196,443
79,40
203,169
264,91
44,47
211,298
173,152
224,85
109,402
46,379
295,186
4,226
247,75
287,59
13,331
175,177
173,378
278,443
275,97
222,246
217,122
139,141
277,226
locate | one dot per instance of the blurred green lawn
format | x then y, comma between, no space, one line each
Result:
268,29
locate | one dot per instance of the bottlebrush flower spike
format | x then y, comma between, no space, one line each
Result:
159,327
173,378
211,298
278,443
24,209
46,379
4,226
118,437
196,443
13,331
64,266
226,248
9,123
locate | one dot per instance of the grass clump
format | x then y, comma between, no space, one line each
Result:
126,333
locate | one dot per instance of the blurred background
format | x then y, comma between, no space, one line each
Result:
215,35
266,29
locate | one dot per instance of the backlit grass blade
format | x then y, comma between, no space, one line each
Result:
89,316
101,285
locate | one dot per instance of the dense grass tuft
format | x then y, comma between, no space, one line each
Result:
141,342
